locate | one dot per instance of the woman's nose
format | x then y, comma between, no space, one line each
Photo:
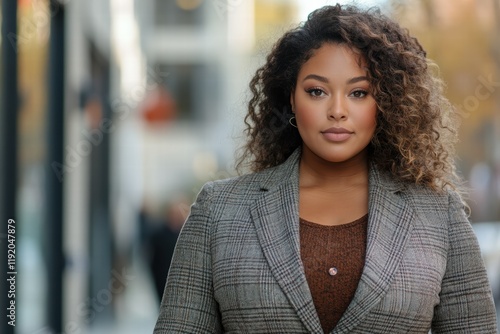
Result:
337,109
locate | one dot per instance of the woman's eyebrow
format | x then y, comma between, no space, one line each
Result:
317,77
357,79
325,80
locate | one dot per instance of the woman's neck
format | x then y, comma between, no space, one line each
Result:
315,172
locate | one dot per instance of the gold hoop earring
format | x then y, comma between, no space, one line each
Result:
290,121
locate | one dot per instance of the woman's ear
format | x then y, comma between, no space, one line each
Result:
292,101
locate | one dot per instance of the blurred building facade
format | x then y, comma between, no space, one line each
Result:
154,106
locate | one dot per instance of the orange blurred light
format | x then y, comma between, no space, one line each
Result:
189,4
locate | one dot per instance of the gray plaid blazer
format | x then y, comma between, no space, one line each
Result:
237,266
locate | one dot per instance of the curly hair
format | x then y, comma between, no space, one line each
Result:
416,125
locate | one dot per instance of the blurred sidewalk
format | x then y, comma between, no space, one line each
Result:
138,310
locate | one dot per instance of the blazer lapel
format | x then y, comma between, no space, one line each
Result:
390,222
275,214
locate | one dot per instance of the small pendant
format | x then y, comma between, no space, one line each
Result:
333,271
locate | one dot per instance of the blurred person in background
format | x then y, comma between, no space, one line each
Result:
352,220
159,237
162,241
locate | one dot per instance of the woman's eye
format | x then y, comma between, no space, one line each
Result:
315,92
359,94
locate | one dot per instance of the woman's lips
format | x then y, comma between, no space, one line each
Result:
337,134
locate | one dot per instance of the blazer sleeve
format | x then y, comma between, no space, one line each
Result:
188,304
466,303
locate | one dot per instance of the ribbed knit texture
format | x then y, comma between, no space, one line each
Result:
342,247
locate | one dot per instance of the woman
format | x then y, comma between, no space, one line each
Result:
351,221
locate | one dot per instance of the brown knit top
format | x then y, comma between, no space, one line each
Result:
333,258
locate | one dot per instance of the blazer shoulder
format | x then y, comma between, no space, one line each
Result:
437,206
414,192
424,195
242,182
233,188
257,182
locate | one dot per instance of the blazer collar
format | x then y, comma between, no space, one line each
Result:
390,222
276,217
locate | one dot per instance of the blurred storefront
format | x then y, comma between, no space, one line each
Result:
152,92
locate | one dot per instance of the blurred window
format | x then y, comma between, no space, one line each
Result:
195,89
179,12
180,82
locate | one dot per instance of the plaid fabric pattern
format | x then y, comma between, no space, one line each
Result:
237,267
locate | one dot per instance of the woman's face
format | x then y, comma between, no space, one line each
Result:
333,105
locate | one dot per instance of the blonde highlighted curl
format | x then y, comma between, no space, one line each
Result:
416,125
